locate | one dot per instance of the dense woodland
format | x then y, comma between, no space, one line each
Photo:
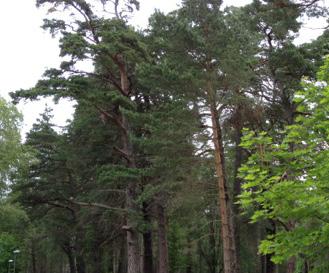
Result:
199,144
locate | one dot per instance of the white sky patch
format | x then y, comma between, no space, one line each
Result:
27,50
310,30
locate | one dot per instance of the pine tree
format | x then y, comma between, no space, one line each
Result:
198,42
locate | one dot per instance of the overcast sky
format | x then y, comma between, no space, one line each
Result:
26,50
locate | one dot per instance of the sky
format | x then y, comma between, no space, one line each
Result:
27,51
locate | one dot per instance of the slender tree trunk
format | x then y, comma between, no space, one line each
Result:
212,243
133,253
96,260
33,257
79,259
122,258
269,266
81,266
80,263
189,257
306,267
147,242
291,265
71,260
163,260
227,226
200,269
115,259
63,266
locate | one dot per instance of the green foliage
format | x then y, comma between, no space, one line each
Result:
287,181
10,148
12,219
177,258
8,243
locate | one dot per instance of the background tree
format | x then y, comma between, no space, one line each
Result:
10,148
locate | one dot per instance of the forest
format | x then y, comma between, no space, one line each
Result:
199,144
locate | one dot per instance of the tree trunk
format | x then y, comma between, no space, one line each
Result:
291,265
33,257
76,249
71,260
96,260
212,243
81,267
115,260
122,258
227,227
133,251
189,257
163,264
306,267
147,242
267,265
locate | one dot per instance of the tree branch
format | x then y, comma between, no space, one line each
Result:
97,205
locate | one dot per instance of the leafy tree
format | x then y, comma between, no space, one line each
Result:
10,148
12,219
286,180
279,71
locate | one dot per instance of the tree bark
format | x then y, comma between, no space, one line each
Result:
267,265
212,243
122,258
291,265
71,260
227,226
163,260
33,257
189,257
115,260
306,267
133,254
81,267
97,260
133,251
76,248
147,242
